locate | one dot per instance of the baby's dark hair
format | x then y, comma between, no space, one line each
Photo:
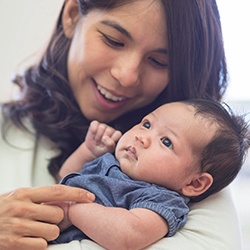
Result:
225,154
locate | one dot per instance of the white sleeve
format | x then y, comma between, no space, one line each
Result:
212,224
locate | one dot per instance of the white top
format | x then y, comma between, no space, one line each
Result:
212,223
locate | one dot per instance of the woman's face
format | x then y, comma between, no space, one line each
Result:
118,59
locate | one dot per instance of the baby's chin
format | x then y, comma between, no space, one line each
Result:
126,165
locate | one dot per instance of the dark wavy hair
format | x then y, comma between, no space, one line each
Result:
225,153
197,69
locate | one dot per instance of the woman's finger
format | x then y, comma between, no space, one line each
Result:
24,243
30,211
45,212
28,228
52,193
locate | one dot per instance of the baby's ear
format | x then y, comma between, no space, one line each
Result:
70,17
199,184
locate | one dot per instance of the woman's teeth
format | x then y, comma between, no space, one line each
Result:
108,95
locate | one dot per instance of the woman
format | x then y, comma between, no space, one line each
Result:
113,61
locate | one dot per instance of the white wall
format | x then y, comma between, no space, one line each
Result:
235,18
25,27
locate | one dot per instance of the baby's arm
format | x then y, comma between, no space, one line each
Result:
118,228
99,140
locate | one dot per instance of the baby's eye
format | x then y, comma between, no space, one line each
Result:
167,143
146,125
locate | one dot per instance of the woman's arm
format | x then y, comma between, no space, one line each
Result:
118,228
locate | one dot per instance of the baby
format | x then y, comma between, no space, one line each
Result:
181,152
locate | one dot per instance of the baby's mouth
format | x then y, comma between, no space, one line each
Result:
132,151
109,96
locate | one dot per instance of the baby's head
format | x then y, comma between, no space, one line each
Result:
225,153
195,147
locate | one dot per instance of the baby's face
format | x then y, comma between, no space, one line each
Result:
161,148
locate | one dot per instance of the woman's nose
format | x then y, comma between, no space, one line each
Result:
145,141
127,72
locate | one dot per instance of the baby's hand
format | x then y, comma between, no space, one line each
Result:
101,138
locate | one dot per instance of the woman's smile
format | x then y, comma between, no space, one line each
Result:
108,95
107,99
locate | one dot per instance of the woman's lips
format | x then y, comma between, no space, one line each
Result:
107,100
108,95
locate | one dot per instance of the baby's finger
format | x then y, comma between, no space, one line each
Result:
116,136
109,131
93,127
109,144
100,132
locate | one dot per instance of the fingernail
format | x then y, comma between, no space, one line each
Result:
91,196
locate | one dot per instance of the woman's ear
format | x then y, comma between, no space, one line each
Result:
199,184
70,17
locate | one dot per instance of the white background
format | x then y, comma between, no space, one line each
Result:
235,18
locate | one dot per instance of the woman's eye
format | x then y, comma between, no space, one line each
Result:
146,125
111,42
167,143
158,63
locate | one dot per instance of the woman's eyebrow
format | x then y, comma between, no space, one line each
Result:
117,27
123,31
162,51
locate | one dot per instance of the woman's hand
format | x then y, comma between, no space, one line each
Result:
27,223
65,223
